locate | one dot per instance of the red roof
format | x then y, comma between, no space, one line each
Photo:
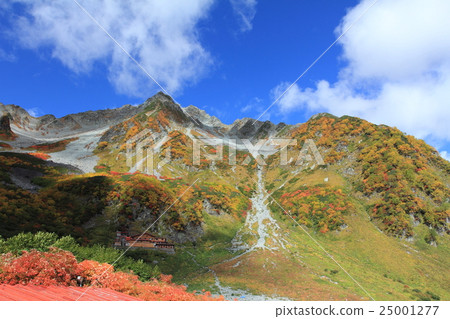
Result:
60,293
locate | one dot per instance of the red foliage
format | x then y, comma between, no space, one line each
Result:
39,268
53,147
58,267
5,145
42,156
321,208
103,275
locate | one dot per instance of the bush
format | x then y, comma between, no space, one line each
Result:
26,241
66,243
55,267
431,237
321,207
44,241
59,267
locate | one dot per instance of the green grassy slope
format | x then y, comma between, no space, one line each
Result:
379,206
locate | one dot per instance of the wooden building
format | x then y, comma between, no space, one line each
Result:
145,241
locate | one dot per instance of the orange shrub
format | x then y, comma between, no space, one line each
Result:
42,156
55,267
59,267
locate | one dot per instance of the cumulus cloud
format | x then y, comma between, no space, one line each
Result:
445,155
245,10
397,70
161,35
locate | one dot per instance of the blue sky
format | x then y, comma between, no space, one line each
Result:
233,58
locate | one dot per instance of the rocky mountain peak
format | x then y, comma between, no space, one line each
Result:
161,97
250,128
203,117
323,114
163,102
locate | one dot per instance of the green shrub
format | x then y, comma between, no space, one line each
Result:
43,241
26,241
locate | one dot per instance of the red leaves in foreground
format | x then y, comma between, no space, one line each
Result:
39,268
103,275
59,267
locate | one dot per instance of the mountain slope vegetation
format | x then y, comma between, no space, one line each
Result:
379,203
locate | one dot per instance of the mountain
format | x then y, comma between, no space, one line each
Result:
250,216
5,128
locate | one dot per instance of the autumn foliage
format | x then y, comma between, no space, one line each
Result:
66,202
42,156
399,174
321,208
5,145
53,147
55,267
59,267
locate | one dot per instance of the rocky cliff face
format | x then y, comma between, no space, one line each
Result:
245,128
5,128
203,117
50,126
248,128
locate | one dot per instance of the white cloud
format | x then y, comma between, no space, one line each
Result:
445,155
245,11
34,111
5,56
161,35
398,70
255,104
397,39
